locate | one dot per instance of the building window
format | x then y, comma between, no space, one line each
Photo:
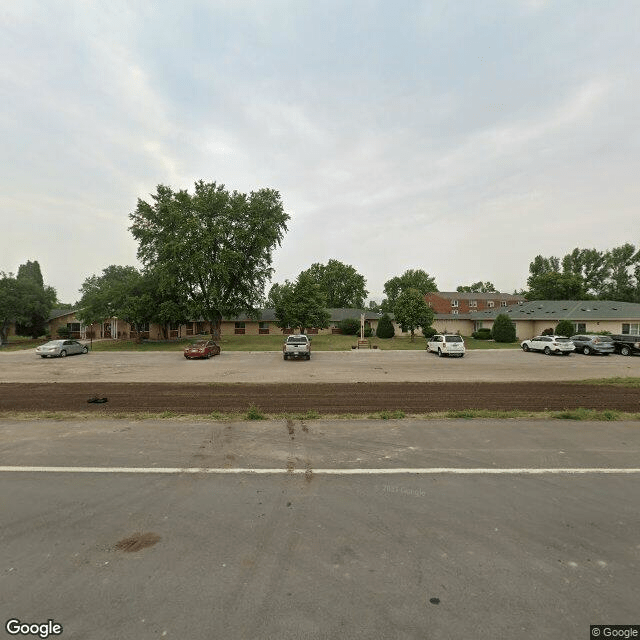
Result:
74,327
263,328
580,327
490,304
454,312
631,329
503,303
473,303
239,328
454,304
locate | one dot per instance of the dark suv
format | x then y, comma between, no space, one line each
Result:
593,344
626,344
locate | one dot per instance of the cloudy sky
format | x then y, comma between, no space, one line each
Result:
462,138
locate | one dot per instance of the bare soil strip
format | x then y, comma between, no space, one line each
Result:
410,397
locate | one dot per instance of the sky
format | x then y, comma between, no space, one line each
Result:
463,138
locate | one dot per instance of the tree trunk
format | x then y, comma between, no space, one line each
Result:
215,324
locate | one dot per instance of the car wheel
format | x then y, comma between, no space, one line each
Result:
43,356
625,351
461,355
547,351
525,347
85,349
309,356
284,356
63,354
439,353
566,353
586,351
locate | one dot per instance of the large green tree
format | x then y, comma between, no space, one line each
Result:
342,285
25,302
136,297
301,304
37,300
504,329
411,311
213,247
410,279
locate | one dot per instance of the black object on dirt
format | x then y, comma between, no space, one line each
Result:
97,400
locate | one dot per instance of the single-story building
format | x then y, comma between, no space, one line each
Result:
530,318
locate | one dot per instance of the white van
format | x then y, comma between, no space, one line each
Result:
447,345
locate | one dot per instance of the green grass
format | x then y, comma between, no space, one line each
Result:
322,342
254,413
614,382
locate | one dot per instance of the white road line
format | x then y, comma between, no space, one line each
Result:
329,472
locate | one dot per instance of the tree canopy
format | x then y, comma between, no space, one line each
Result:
477,287
411,311
136,297
587,273
25,300
411,279
301,305
341,284
213,247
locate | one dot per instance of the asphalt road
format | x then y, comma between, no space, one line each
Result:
326,543
324,366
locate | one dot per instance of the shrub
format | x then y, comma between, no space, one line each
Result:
254,413
503,329
64,332
385,327
482,334
428,332
349,326
565,328
368,331
547,332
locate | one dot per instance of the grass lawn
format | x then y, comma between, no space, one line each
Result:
327,342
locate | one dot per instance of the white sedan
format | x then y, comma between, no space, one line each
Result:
549,345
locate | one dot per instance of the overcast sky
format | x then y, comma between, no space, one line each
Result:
459,137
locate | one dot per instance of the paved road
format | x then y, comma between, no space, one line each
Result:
315,555
325,366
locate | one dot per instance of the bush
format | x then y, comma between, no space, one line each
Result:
385,328
547,332
64,332
368,331
565,328
482,334
349,326
503,329
428,332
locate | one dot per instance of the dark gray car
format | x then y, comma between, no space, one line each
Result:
590,345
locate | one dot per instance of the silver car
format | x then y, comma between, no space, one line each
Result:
593,344
61,348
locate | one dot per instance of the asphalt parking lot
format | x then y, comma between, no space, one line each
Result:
324,366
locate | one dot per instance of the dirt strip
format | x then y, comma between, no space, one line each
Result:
409,397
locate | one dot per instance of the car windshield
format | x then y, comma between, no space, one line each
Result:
296,341
453,339
200,343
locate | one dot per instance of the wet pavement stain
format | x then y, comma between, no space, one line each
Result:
137,542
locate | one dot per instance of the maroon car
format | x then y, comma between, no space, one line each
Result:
201,349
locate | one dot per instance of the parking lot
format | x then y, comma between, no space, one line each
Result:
324,366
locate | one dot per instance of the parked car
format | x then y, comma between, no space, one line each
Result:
593,344
626,344
297,346
201,349
548,345
61,348
446,345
